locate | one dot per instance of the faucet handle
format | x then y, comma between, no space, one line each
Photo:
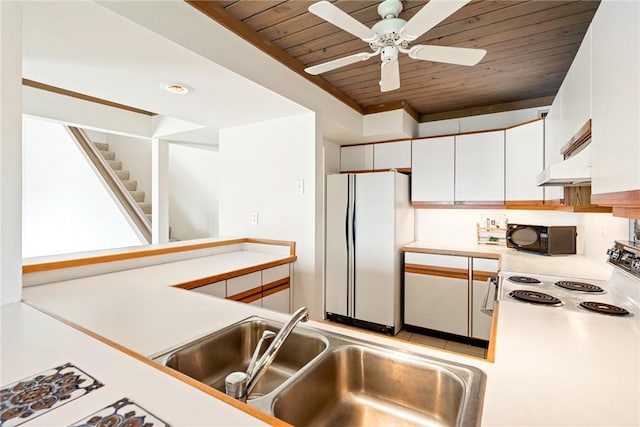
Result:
236,385
266,335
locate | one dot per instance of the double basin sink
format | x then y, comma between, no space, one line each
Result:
321,378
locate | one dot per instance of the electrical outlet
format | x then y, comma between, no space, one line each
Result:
254,217
300,186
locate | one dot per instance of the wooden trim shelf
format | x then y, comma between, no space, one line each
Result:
275,290
246,297
623,203
483,276
192,284
578,140
548,205
276,284
78,262
430,270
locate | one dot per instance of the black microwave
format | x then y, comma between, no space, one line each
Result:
547,240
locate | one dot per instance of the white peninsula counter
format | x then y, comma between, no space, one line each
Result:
558,369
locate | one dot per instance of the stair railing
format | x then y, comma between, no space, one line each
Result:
113,183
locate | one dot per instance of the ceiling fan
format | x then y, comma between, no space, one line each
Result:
392,35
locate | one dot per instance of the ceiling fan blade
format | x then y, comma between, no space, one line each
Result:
448,54
340,62
389,76
429,16
341,19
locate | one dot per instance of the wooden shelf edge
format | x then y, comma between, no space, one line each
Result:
551,205
78,262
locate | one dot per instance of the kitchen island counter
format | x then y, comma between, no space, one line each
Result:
551,368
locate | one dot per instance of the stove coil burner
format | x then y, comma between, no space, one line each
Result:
524,279
600,307
534,297
579,286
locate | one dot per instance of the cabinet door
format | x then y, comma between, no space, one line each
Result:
616,97
432,169
238,288
278,301
479,171
392,155
436,292
356,158
480,320
524,153
217,289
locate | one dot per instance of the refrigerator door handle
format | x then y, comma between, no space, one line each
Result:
352,308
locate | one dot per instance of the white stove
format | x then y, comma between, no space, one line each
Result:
619,296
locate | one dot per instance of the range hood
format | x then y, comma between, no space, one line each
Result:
572,172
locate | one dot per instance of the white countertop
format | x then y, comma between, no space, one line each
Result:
551,367
33,342
577,266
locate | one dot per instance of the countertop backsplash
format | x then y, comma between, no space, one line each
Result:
596,231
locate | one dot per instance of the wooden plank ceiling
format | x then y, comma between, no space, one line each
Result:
530,46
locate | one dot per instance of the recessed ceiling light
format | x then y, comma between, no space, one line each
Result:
178,88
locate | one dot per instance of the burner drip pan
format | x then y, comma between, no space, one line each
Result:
579,286
524,280
603,308
534,297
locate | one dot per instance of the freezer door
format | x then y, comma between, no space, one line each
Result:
338,228
374,230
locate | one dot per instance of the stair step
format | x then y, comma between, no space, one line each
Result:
123,175
102,146
115,164
146,207
108,155
138,196
130,185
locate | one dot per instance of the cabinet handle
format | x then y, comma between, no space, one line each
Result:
493,283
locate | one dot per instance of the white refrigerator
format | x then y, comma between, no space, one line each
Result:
369,219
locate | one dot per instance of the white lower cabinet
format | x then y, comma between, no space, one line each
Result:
278,301
217,289
440,294
268,288
438,303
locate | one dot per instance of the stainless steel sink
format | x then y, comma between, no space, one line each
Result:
321,378
210,359
358,386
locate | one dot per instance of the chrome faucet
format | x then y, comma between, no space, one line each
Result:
240,384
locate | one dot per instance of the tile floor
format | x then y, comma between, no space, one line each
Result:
454,346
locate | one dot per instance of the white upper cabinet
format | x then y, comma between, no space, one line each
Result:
432,172
524,152
479,166
616,97
356,158
570,110
392,155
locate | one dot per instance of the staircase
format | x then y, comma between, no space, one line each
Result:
124,175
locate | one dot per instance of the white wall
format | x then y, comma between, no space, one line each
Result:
478,123
193,191
446,227
260,164
331,157
65,205
10,152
